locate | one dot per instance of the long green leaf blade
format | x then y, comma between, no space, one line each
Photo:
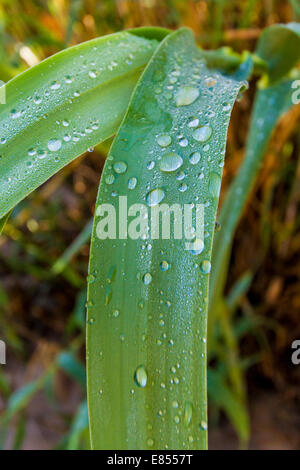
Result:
147,299
270,104
68,103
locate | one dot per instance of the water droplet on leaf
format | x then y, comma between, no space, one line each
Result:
205,267
154,197
202,134
54,145
120,167
140,376
170,161
164,140
186,95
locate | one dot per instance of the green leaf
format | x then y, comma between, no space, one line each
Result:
3,221
296,7
70,364
220,394
270,104
147,298
79,426
73,249
68,103
19,400
279,46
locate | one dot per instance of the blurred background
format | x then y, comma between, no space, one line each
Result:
45,246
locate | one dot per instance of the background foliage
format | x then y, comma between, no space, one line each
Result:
45,247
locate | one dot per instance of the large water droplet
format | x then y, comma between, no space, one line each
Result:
147,278
203,425
54,145
155,196
170,161
202,134
205,267
196,247
194,122
120,167
186,95
109,179
140,376
55,85
164,140
132,182
194,158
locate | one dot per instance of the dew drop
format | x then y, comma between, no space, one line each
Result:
15,114
203,425
170,161
132,182
180,175
188,413
68,79
42,154
202,134
186,95
205,267
164,265
194,122
92,74
147,278
55,85
155,196
163,140
90,279
150,165
183,142
194,158
54,145
183,187
31,152
140,376
196,247
226,106
120,167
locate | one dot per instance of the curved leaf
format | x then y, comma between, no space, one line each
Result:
147,299
58,109
270,104
279,46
